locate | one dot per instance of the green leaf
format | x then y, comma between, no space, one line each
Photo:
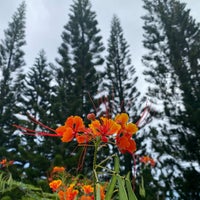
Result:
116,164
141,188
6,182
131,194
113,181
111,187
122,190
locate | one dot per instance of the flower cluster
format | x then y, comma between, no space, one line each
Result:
5,163
104,128
118,131
148,160
82,190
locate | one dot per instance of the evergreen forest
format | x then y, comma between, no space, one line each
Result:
88,76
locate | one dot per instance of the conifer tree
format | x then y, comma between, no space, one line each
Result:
11,62
65,80
184,41
36,96
119,75
172,37
37,89
120,79
79,57
77,76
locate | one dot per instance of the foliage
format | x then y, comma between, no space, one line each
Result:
11,65
172,68
37,90
119,76
98,133
119,80
172,38
79,56
12,61
11,189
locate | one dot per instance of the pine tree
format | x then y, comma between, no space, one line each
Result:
184,41
37,90
172,37
36,94
80,55
77,76
65,80
120,79
11,62
119,75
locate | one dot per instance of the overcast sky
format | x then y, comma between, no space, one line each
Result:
45,20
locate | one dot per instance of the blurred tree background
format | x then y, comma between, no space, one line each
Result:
84,70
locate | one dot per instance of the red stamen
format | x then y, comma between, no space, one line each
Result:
26,130
31,132
82,158
40,123
92,102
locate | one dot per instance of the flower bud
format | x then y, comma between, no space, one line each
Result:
91,116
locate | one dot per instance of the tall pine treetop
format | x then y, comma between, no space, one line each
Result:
11,52
80,55
11,62
120,77
83,27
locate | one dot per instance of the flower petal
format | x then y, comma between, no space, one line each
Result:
60,130
131,128
68,135
122,118
132,147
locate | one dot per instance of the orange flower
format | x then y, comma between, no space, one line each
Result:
60,130
76,123
124,139
88,189
73,125
122,119
131,128
104,128
68,194
147,159
68,135
82,139
132,146
55,184
125,143
58,169
3,162
84,197
6,163
102,193
85,137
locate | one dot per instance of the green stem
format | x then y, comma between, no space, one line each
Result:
113,181
106,159
96,144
